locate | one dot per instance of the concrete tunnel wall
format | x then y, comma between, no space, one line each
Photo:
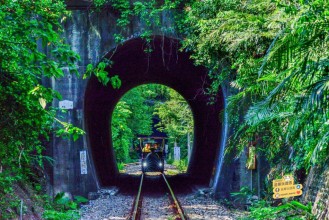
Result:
91,35
167,66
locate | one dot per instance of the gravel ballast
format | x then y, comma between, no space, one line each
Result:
107,208
198,204
157,208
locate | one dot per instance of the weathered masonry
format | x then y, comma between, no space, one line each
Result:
89,164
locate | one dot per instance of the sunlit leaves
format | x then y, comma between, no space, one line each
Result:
68,130
296,100
176,118
121,132
115,82
31,48
278,54
101,71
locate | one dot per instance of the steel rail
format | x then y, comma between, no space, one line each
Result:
137,209
177,206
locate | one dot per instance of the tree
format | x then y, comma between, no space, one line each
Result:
275,56
176,119
31,47
121,132
132,117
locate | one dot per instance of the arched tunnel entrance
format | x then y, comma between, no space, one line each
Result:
164,65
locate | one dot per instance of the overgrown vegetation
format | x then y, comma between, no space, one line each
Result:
137,112
31,47
176,120
272,54
64,208
275,56
289,210
25,119
264,209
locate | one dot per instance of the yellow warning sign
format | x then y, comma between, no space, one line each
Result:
285,187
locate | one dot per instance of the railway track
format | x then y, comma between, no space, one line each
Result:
177,211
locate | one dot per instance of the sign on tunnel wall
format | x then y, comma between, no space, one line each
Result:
65,104
83,162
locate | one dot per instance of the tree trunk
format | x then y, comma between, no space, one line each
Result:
188,147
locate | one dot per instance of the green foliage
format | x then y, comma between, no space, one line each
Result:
273,56
150,15
31,47
176,120
68,130
80,199
289,210
102,74
176,116
244,196
8,201
170,161
58,215
64,208
121,133
181,165
133,116
121,166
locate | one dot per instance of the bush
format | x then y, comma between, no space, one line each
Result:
63,208
170,161
181,165
289,210
121,166
243,197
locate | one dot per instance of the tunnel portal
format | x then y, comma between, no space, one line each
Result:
164,65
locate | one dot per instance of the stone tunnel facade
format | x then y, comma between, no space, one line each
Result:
88,164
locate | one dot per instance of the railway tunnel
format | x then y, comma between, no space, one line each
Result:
165,65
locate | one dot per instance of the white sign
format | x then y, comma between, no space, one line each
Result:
66,104
83,162
176,153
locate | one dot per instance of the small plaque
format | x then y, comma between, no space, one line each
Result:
83,162
66,104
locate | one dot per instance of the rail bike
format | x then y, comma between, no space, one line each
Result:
153,154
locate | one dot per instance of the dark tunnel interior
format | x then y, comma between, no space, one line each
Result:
164,65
